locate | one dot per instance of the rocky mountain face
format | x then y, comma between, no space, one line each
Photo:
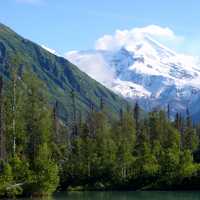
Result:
58,74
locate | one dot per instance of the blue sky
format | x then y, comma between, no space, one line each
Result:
65,25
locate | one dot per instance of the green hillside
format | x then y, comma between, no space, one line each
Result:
58,74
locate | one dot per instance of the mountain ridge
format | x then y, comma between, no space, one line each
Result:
59,75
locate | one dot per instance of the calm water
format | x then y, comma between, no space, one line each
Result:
127,196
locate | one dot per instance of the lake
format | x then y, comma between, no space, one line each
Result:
127,196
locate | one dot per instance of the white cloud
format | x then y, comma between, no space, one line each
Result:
155,30
128,37
94,65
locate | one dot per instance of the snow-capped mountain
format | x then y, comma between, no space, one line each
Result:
146,71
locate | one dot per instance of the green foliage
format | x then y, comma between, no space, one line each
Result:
7,184
100,154
28,126
89,152
187,167
170,160
190,139
45,174
59,75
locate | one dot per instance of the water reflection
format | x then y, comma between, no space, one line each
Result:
124,196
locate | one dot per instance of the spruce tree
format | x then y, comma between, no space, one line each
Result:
39,129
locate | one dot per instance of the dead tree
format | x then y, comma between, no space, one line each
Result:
74,126
56,122
168,112
102,104
121,115
14,85
2,131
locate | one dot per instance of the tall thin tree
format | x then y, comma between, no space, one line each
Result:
136,117
14,84
74,128
168,112
2,131
56,122
102,104
188,118
121,115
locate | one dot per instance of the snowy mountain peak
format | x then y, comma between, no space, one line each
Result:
142,68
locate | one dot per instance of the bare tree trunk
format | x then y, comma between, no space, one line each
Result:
88,166
2,131
56,123
75,128
14,112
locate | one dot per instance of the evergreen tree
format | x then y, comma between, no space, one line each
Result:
137,117
139,152
125,141
56,123
74,120
168,112
39,129
187,167
190,139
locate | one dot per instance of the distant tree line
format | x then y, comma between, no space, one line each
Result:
40,154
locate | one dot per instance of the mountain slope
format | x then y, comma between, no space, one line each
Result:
147,71
58,74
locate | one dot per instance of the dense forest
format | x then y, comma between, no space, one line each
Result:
40,153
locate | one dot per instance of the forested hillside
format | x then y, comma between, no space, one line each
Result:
58,74
61,130
40,155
